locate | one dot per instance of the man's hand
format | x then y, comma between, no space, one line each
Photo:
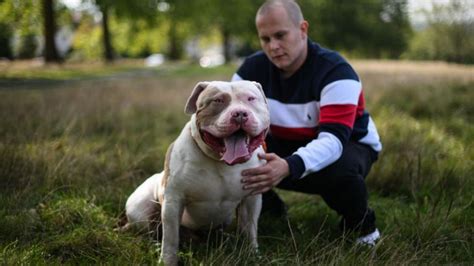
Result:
265,177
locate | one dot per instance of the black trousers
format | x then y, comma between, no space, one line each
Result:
342,186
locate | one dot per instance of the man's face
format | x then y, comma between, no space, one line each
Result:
283,42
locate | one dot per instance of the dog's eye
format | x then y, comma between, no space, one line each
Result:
218,100
251,99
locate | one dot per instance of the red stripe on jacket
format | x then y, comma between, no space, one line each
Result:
338,113
361,104
293,133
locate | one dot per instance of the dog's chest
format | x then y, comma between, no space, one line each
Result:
215,184
211,197
209,190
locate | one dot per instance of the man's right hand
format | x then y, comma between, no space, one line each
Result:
265,177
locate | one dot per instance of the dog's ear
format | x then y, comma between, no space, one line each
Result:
259,86
191,103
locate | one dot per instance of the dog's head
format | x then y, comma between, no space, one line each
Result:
232,118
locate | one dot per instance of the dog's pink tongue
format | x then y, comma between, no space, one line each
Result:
235,148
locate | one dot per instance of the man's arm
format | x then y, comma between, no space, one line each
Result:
340,101
339,104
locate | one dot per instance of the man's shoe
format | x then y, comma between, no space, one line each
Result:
369,239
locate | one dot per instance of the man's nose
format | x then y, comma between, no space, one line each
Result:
274,44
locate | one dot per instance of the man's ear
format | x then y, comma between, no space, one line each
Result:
191,103
304,25
259,86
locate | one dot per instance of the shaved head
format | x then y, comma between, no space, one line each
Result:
283,34
291,7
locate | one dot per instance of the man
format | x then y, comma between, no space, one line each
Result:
321,140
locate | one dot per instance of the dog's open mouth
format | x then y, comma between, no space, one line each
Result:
235,148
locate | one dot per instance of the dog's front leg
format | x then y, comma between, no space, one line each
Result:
248,213
171,214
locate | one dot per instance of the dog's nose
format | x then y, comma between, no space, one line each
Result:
239,117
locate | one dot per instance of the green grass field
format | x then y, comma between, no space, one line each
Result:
72,151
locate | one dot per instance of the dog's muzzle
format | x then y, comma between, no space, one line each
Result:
236,147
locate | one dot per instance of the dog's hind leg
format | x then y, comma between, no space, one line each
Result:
141,207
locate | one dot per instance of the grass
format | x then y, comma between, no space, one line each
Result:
38,71
72,152
20,70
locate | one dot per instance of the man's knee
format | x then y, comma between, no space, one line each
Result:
356,160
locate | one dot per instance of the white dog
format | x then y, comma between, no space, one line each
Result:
200,187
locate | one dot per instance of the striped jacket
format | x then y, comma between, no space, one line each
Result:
315,112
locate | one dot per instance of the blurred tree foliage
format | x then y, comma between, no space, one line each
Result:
86,42
24,23
234,19
123,9
359,28
27,46
366,28
449,35
183,18
138,38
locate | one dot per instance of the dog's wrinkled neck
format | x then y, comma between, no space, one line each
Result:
196,135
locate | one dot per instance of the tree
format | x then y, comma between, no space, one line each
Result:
448,35
22,19
232,25
27,46
6,30
5,36
454,23
49,29
233,19
395,31
108,48
120,8
373,28
28,21
181,15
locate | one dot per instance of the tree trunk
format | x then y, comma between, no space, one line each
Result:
226,45
174,44
50,50
108,49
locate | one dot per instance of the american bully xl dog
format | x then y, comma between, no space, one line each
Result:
200,186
